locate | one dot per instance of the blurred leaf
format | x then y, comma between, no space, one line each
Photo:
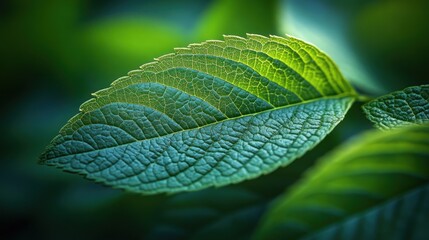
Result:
238,17
378,22
356,178
404,217
42,37
115,45
407,107
320,23
238,225
395,38
208,214
208,115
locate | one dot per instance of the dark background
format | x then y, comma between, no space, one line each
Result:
56,53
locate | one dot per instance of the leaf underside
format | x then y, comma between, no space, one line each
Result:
402,108
207,115
351,193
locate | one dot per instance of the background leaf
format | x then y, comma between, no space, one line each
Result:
396,60
354,179
125,41
200,215
403,217
187,121
221,18
407,107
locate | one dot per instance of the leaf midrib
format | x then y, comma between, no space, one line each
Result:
344,95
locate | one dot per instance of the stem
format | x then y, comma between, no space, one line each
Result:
364,98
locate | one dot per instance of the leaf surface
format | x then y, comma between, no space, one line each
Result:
353,190
401,108
208,115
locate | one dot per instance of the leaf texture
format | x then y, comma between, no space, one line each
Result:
208,115
407,107
349,190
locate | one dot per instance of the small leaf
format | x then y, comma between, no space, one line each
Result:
208,115
407,107
353,183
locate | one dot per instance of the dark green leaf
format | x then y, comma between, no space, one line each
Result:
407,107
208,115
353,183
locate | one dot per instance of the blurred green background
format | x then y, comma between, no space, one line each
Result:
55,53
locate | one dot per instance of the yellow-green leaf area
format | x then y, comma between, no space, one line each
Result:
210,114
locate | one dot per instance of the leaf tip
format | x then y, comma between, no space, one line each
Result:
44,156
41,160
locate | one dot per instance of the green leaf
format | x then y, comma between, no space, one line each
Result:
355,182
208,115
407,107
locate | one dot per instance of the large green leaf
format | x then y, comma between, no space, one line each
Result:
407,107
353,183
208,115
